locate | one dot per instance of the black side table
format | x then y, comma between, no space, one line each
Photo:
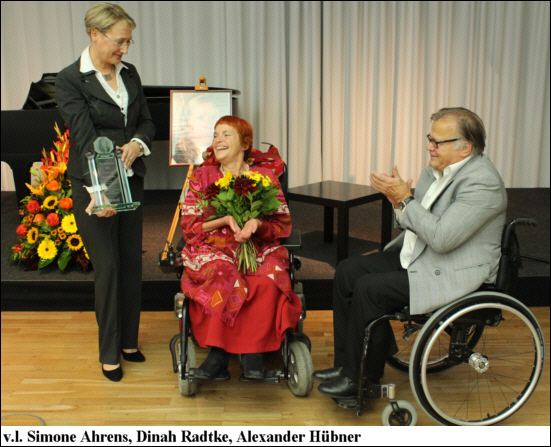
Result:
343,196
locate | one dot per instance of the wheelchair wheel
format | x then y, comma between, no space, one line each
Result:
439,361
185,386
489,382
301,369
407,415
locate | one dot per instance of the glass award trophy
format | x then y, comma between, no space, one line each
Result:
109,180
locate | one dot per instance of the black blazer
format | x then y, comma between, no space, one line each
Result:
89,112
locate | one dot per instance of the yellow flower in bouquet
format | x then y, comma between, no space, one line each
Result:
47,249
251,195
50,202
69,224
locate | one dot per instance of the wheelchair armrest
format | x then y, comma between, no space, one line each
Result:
293,242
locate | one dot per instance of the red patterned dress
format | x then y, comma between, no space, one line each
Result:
239,313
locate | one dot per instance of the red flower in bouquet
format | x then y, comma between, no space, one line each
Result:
212,190
33,206
22,230
52,220
243,185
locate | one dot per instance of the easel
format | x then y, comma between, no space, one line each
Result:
167,256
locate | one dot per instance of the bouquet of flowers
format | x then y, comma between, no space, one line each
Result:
251,195
48,230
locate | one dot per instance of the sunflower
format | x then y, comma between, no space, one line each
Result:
47,249
32,235
74,242
50,202
68,224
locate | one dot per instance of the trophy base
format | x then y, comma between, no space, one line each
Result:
118,207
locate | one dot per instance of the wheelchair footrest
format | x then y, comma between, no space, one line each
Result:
221,377
349,404
271,376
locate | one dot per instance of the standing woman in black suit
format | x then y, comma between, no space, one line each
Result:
98,95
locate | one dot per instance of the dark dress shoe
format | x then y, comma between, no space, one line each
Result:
252,366
136,357
326,375
215,364
340,388
114,375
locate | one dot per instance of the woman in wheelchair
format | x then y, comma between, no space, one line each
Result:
232,312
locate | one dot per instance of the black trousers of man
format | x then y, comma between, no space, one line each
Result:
366,288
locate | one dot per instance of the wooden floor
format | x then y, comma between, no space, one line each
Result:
50,370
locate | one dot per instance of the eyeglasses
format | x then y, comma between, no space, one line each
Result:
436,143
119,44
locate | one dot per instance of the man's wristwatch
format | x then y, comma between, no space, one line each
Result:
402,203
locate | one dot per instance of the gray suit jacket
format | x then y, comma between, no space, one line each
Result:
89,112
458,239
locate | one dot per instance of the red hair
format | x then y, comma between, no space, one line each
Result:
243,127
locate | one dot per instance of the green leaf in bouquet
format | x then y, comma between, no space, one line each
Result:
64,258
44,263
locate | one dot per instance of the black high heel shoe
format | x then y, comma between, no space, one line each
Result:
252,366
215,365
136,357
115,375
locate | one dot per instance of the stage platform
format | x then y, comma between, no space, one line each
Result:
50,289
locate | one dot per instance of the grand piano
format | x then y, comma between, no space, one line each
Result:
27,131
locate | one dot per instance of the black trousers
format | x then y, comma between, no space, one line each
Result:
366,288
114,245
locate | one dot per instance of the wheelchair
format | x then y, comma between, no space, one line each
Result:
297,368
474,362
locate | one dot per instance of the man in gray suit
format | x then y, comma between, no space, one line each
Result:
450,246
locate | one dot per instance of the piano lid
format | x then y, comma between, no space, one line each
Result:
42,93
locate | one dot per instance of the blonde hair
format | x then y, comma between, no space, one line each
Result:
103,16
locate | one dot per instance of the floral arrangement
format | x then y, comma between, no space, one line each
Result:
48,231
251,195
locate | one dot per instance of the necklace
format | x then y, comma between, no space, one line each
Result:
108,76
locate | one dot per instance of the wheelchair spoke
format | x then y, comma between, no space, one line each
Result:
491,382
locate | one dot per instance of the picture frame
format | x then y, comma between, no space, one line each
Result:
193,115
